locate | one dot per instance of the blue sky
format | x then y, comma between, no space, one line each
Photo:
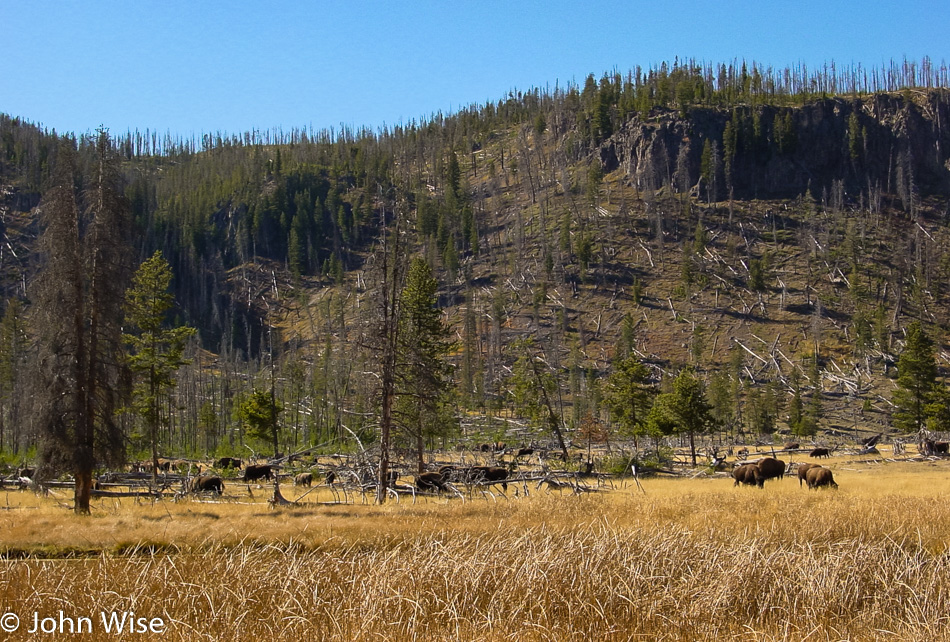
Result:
194,67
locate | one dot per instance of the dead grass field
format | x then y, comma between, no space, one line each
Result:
688,559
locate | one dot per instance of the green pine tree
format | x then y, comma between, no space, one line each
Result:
155,351
916,380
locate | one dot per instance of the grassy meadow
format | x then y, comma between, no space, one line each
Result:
681,559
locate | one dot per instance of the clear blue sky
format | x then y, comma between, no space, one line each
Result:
190,67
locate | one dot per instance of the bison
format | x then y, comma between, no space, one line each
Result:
431,481
524,452
748,474
256,472
818,477
228,462
820,452
802,470
742,453
771,468
304,479
490,474
792,445
207,485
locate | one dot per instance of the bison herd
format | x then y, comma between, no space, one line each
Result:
755,474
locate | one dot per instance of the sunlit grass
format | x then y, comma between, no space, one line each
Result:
686,559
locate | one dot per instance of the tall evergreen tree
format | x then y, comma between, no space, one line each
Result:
13,351
630,395
691,407
78,307
916,380
156,350
424,375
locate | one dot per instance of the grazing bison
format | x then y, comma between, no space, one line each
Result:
331,477
228,462
431,481
818,477
448,470
792,445
742,453
256,472
207,485
802,470
820,452
525,452
490,474
771,468
304,479
748,474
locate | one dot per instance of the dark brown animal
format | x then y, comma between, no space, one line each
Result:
304,479
771,468
820,452
742,453
942,448
255,472
792,445
525,452
26,472
228,462
207,485
748,474
431,481
818,477
448,470
331,477
490,474
802,469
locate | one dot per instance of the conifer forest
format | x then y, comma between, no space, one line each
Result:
687,255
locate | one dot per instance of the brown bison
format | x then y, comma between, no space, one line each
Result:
255,472
771,468
802,470
228,462
304,479
792,445
490,474
748,474
742,453
524,452
818,477
431,481
942,448
207,485
820,452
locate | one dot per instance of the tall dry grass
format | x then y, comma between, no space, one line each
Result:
687,560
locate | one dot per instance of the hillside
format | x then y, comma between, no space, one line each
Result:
738,226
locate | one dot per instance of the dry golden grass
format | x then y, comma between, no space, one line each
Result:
686,560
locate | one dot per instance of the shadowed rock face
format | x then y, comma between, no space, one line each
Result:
797,148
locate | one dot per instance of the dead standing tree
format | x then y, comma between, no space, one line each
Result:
78,298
